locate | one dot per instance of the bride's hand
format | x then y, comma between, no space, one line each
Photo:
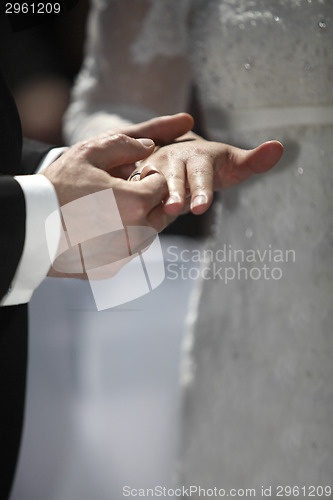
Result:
194,168
162,130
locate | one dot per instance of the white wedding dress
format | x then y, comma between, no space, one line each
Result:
259,364
258,360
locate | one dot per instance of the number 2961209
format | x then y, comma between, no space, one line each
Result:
33,8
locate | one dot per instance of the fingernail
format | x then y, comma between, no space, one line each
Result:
148,143
173,199
200,199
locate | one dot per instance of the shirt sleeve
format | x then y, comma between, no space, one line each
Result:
38,252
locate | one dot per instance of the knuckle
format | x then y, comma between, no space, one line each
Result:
113,139
196,171
202,170
163,155
199,151
87,147
83,145
176,175
120,137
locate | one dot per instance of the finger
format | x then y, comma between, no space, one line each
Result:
109,151
200,177
123,171
157,188
262,158
148,170
135,200
163,129
241,164
175,177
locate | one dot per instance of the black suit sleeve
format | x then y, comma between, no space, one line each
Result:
13,332
12,216
12,213
33,153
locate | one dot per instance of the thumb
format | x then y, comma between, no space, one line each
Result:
116,150
262,158
163,129
242,164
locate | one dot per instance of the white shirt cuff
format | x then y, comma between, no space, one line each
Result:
40,200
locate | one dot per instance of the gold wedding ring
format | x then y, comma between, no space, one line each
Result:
135,176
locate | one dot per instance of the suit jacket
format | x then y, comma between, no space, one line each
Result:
13,319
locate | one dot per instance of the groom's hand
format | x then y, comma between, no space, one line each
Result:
81,171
